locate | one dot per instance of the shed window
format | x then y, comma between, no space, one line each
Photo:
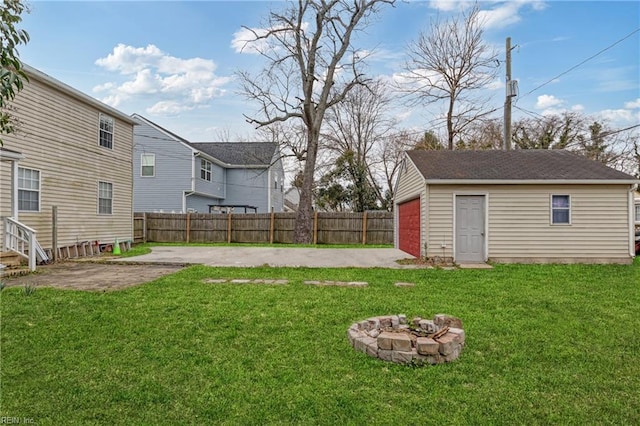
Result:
106,131
148,165
560,209
205,169
105,198
28,190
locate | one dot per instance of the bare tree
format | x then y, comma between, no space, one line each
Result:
483,134
308,50
548,132
391,155
353,129
614,148
450,63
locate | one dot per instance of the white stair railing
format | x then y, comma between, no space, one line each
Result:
22,239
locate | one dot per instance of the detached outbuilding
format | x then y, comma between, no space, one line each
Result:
522,206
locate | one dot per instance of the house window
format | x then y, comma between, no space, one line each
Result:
105,198
560,210
148,165
638,213
28,190
205,170
106,131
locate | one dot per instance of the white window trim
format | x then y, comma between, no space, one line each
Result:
204,161
39,191
142,165
113,130
98,199
636,212
551,209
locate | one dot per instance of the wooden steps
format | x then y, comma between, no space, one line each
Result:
13,263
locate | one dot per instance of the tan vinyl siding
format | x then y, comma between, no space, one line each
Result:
519,223
59,136
411,185
440,214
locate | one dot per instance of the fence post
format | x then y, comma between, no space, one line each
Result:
229,228
54,232
364,228
271,226
144,228
188,227
315,227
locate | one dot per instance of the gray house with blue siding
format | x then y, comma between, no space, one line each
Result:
172,174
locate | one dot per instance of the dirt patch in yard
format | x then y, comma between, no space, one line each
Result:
92,276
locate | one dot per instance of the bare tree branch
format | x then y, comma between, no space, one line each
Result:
304,48
450,63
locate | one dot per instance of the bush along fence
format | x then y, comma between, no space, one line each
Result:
328,228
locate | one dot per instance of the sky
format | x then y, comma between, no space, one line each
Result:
176,63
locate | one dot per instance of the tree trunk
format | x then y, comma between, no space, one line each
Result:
303,232
450,125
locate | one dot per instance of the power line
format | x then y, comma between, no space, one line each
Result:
582,63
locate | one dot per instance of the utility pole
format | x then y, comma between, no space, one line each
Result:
507,102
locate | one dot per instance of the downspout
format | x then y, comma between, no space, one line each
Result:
185,194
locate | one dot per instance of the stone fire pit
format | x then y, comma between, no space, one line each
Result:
419,342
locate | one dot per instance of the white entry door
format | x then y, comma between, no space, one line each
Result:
470,219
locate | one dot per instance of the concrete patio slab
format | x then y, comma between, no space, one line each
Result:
276,257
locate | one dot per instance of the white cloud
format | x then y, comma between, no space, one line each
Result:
501,16
548,101
244,41
448,5
174,84
620,116
498,14
633,104
168,108
129,59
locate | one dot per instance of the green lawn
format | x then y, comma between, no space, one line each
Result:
545,344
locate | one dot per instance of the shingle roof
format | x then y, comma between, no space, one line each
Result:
239,153
517,165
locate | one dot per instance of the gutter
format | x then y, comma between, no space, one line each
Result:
531,182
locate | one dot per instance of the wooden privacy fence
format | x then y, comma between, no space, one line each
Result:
328,228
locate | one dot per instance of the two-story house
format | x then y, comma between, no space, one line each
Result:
72,152
172,174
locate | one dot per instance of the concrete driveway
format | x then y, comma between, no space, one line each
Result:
260,256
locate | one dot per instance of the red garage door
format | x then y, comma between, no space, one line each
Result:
409,232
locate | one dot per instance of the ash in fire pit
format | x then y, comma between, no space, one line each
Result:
419,342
